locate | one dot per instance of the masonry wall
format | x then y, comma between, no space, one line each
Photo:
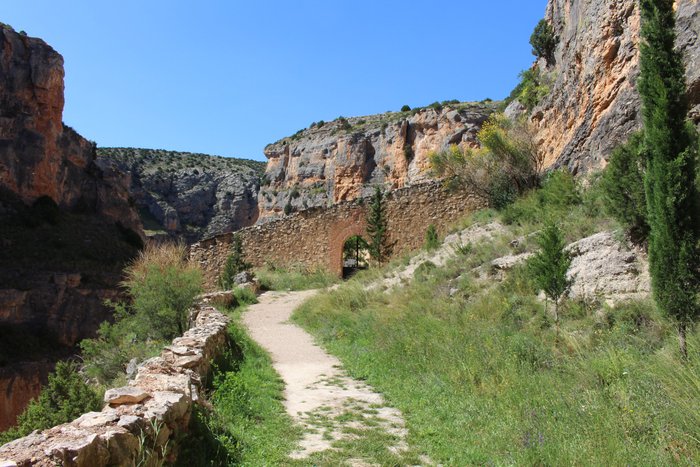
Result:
155,407
314,238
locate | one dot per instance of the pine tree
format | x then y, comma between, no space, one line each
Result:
235,263
378,245
549,267
671,149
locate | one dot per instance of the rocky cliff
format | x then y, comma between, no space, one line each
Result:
189,196
66,223
592,104
342,160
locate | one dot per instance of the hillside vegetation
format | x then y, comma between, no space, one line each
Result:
478,370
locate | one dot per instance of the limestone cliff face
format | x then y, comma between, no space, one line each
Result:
593,105
59,259
342,160
189,196
39,155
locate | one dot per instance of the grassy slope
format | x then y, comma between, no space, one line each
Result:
481,379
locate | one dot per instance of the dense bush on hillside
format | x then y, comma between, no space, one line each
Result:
65,397
623,184
163,286
507,165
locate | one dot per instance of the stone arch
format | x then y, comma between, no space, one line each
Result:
354,224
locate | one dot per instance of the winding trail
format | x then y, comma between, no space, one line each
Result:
318,395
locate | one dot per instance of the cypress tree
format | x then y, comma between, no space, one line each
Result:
672,199
549,267
378,245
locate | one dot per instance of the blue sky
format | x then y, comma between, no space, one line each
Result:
228,77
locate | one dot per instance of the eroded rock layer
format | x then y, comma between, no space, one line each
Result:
189,196
344,159
593,105
66,223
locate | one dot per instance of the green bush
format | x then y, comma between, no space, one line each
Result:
553,200
507,165
235,263
623,187
544,41
163,286
63,399
531,89
432,241
405,108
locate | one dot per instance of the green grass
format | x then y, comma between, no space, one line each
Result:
294,278
481,378
248,424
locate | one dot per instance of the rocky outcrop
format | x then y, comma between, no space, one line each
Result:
592,105
155,407
604,268
39,155
342,160
189,196
66,224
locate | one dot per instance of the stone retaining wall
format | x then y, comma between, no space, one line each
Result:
141,420
314,238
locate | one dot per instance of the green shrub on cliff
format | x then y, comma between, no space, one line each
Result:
544,41
63,399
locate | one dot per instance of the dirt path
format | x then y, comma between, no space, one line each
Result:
329,405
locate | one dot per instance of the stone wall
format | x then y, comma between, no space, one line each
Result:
314,238
156,404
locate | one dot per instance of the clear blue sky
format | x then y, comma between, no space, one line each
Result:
227,77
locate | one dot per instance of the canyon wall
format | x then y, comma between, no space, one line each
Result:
189,196
593,105
342,160
67,225
314,238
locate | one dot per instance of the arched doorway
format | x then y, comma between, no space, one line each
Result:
355,255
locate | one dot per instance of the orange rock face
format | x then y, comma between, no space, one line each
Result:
339,161
593,105
39,155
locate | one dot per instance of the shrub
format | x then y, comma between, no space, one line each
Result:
550,265
623,187
405,108
544,41
432,241
288,208
235,264
344,124
163,286
408,152
63,399
508,163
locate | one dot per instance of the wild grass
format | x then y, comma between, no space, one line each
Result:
296,277
247,423
477,370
